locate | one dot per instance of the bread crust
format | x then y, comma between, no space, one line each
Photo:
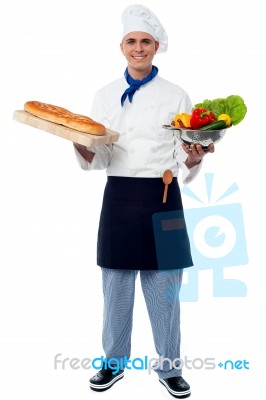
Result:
62,116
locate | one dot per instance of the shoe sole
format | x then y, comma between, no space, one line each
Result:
101,388
178,395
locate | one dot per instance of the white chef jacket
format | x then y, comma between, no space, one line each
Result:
144,148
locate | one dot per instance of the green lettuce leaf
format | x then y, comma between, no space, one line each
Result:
236,109
233,105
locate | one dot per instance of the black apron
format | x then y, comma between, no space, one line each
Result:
137,230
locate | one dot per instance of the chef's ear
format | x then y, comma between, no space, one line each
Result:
122,48
157,45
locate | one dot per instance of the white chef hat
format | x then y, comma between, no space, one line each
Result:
139,18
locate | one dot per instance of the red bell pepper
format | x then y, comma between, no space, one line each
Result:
201,117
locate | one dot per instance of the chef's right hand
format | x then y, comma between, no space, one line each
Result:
87,154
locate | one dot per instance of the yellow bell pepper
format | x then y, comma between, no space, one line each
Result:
184,118
226,118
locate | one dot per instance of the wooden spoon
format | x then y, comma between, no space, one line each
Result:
167,179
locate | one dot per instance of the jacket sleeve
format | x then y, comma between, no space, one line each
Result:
103,153
101,159
188,174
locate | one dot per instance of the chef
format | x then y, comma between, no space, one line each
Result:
137,105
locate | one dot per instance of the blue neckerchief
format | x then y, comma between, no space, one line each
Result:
135,84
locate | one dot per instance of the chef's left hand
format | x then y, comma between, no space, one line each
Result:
196,153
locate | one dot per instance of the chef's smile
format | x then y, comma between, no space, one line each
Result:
139,57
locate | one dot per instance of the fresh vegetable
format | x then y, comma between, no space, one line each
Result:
233,106
226,118
201,117
184,118
214,126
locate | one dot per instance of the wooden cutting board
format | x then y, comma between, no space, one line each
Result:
65,132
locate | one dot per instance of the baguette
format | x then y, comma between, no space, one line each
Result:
59,115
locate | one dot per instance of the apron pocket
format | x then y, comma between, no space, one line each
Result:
171,240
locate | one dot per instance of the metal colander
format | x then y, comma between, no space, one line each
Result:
193,136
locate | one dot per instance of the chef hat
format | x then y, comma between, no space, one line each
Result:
139,18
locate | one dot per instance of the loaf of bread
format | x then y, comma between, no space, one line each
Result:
64,117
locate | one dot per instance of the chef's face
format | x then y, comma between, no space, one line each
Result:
139,48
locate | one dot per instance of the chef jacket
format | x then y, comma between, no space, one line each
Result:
144,148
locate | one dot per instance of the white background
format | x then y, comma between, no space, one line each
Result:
61,52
